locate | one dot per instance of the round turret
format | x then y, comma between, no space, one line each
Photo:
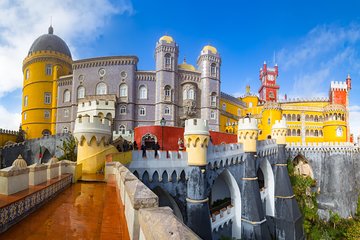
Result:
279,130
196,138
20,162
248,133
335,128
271,112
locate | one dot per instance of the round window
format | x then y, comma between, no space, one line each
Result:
102,72
123,74
81,78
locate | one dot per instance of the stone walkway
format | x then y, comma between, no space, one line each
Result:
83,211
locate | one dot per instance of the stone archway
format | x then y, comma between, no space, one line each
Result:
267,187
165,199
225,188
149,140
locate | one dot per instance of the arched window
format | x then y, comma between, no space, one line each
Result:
191,94
298,117
224,107
311,133
185,92
293,118
239,112
167,61
123,110
320,133
293,132
26,99
167,111
316,118
307,133
27,74
167,91
123,90
213,99
66,112
122,129
80,92
316,133
288,117
213,70
142,92
101,89
288,132
298,132
269,121
212,115
66,96
142,111
311,118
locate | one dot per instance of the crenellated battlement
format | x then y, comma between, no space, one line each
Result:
333,147
95,106
196,126
248,124
335,85
314,99
10,132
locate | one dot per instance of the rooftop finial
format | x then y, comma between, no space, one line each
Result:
184,59
51,29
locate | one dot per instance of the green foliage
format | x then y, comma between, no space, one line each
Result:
314,227
69,149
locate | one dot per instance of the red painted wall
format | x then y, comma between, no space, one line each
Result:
171,136
338,97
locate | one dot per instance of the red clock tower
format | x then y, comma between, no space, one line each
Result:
268,90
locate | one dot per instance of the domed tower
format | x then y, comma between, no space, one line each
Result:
209,63
335,123
49,58
166,57
270,114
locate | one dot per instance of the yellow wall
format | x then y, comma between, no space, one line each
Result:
35,87
230,116
92,156
265,126
5,137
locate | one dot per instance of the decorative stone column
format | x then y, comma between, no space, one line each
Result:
197,137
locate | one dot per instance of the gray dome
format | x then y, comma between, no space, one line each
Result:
50,42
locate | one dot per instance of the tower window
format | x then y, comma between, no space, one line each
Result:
224,106
25,115
167,111
81,92
167,61
66,113
142,92
123,110
48,69
123,90
65,130
66,96
185,92
46,114
212,115
142,111
191,94
27,74
47,98
213,99
101,89
269,121
26,98
167,91
213,70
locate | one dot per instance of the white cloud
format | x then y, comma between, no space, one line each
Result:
22,21
8,120
354,121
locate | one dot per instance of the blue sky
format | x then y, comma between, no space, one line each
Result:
314,42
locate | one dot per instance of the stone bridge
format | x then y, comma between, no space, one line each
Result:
224,190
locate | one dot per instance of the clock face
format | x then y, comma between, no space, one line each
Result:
339,132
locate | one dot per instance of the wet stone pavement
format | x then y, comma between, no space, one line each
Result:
86,210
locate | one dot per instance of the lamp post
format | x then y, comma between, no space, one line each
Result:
162,123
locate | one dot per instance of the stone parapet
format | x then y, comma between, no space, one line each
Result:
38,174
13,179
52,170
161,224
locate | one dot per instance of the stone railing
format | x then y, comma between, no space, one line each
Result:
145,220
267,147
168,161
323,147
222,217
224,154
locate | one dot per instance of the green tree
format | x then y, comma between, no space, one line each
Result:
69,149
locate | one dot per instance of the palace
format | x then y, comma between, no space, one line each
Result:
54,85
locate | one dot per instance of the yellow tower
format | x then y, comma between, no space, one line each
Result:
271,112
196,138
248,133
49,58
335,126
